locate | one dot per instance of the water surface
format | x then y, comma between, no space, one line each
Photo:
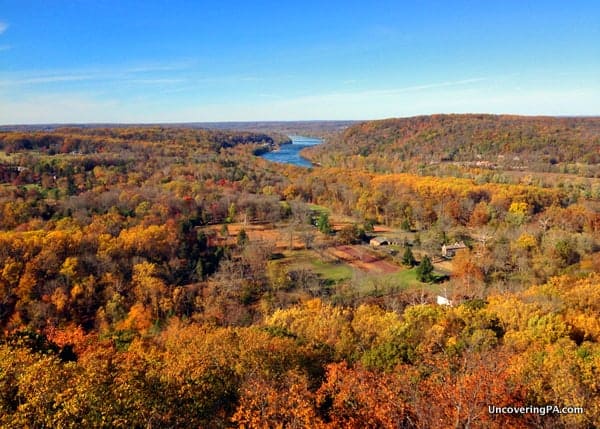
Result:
290,153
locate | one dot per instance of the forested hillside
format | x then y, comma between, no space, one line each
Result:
165,277
492,141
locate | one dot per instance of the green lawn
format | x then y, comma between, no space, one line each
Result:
333,272
338,273
388,283
318,208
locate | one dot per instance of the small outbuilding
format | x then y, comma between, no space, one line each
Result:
449,250
442,300
379,241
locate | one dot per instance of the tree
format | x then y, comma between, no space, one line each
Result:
231,212
425,270
459,391
358,398
566,252
467,272
480,215
350,234
242,238
323,223
263,404
308,237
405,224
517,213
149,289
408,258
224,231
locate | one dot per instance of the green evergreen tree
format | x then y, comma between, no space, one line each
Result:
425,270
408,258
323,223
405,225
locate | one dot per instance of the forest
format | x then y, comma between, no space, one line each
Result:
155,276
497,142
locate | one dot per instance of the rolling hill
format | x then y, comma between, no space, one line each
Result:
504,141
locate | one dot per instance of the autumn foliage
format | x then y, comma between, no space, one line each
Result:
130,297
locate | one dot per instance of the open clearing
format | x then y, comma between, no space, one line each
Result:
359,257
327,268
363,259
278,235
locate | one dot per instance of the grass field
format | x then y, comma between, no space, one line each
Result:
389,283
318,208
364,283
330,271
335,272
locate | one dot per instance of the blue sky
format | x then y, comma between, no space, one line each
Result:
181,61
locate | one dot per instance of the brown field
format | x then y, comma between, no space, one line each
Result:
270,233
382,229
377,229
363,259
356,256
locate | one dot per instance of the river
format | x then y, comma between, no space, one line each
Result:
290,153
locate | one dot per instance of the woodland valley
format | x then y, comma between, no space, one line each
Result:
421,271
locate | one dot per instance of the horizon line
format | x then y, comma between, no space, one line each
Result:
276,121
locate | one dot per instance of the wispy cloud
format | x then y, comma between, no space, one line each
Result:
249,79
46,79
85,107
3,27
151,68
156,81
5,47
81,78
414,88
134,75
383,93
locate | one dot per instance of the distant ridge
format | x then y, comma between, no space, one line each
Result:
234,125
489,140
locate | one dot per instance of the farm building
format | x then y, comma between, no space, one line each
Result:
450,250
379,241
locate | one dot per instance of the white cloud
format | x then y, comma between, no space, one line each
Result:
158,81
46,79
460,96
344,100
132,75
3,27
395,91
